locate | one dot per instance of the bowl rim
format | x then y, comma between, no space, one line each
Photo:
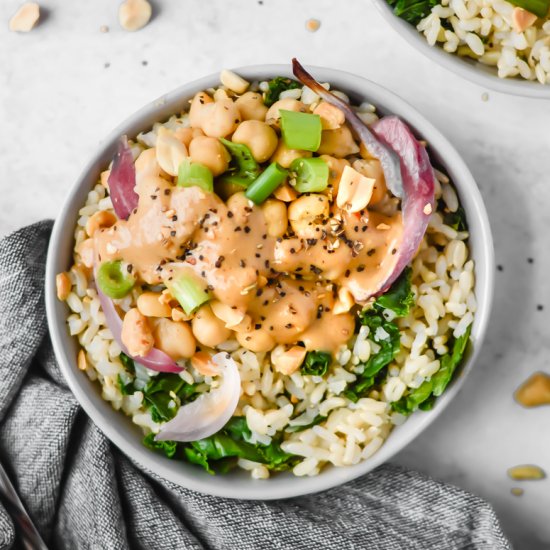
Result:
469,71
280,486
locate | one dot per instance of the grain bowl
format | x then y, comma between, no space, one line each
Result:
211,321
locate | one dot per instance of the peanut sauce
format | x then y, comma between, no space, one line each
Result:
288,286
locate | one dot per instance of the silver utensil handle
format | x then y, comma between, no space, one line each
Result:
29,537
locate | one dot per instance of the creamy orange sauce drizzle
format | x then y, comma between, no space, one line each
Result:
288,286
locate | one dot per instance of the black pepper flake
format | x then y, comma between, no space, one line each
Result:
356,229
364,228
257,326
347,273
315,269
247,229
167,191
266,263
242,263
282,294
230,214
219,261
265,302
201,257
129,268
394,250
540,307
288,325
264,236
238,228
360,268
153,197
373,251
271,327
259,292
301,288
500,268
210,288
257,254
248,209
174,218
529,260
172,233
293,250
203,274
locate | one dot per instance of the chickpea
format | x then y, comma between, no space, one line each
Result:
221,118
258,341
210,152
187,135
259,137
208,329
273,115
275,217
174,338
338,143
306,213
239,204
284,156
335,169
99,220
149,305
136,333
197,110
147,165
251,106
373,169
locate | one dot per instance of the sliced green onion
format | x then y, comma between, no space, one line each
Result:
195,174
266,183
243,169
189,292
539,7
311,174
114,280
301,130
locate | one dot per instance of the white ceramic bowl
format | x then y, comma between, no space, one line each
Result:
476,72
119,429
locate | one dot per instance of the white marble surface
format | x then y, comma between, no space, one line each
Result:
65,85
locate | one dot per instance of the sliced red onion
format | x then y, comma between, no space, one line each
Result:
155,360
122,181
418,189
211,411
388,159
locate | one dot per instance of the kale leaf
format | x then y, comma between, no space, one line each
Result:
278,85
219,452
425,395
412,11
399,298
158,395
316,363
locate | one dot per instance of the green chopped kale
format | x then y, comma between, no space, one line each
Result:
219,452
316,363
412,11
278,85
425,395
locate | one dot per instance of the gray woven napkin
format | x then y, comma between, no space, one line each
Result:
82,492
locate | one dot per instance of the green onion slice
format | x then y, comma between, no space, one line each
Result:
189,291
114,280
311,174
301,130
266,183
243,169
195,174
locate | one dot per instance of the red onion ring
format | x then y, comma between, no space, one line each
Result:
122,181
